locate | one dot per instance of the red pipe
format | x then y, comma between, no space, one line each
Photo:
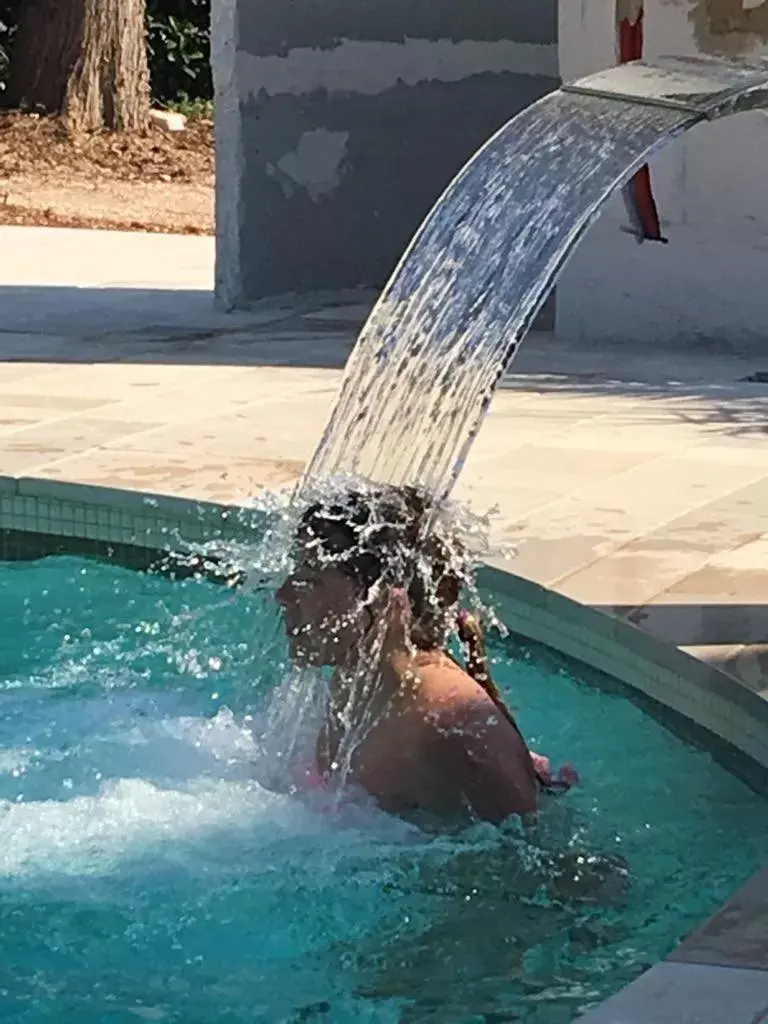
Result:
638,193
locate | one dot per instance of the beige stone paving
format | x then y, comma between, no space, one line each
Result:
614,502
618,487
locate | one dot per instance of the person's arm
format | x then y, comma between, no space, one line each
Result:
488,762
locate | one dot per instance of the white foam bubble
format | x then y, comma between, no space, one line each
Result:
90,835
104,780
14,761
141,777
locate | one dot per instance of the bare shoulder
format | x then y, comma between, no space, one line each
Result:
456,702
444,679
481,754
471,716
458,708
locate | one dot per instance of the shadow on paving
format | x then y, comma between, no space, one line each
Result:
175,327
703,384
720,391
698,624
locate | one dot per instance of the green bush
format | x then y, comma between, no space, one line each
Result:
178,48
9,12
178,40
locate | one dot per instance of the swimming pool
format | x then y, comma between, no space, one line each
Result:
145,874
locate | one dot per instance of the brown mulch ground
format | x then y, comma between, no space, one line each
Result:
150,181
33,144
33,216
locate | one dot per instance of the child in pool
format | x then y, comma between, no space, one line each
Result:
375,595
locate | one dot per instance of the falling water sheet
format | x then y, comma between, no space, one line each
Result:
424,369
423,372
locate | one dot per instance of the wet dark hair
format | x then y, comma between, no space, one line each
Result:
382,536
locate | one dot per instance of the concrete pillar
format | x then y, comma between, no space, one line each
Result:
340,122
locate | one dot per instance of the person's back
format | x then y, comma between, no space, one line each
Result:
440,748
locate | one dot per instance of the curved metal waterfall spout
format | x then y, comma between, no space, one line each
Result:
421,377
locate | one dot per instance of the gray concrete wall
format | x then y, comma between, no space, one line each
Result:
339,123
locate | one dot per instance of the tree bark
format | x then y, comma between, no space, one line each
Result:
83,59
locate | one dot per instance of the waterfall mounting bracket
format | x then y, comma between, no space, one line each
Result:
705,87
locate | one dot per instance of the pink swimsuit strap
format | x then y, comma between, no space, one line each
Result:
310,782
308,778
312,779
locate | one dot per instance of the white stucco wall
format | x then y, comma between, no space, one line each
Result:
710,284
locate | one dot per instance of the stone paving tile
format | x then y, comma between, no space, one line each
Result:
112,381
15,371
549,466
353,314
264,429
18,418
200,401
66,436
676,993
737,936
733,450
656,562
44,405
751,557
225,479
481,492
47,349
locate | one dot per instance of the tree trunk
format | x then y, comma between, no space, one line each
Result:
84,59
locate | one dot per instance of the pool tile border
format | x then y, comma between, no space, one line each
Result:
698,692
80,512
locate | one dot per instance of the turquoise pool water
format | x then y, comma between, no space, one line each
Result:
145,874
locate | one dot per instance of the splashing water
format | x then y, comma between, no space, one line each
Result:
300,700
